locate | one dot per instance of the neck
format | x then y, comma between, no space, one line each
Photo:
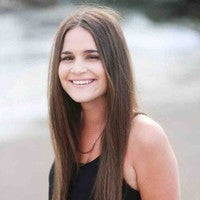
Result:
93,116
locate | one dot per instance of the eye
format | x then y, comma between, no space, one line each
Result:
67,58
93,57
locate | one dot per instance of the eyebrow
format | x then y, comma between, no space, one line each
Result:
86,51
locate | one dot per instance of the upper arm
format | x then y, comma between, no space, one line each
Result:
154,162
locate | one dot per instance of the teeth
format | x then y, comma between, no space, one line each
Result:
82,82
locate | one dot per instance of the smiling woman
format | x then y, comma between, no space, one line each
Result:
105,149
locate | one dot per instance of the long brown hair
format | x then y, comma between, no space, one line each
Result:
65,114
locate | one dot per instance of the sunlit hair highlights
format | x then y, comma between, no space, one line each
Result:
65,114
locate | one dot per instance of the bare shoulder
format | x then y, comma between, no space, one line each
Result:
146,139
153,160
146,132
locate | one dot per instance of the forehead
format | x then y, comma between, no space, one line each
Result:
78,39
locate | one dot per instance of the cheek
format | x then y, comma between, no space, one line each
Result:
105,83
61,72
63,76
104,79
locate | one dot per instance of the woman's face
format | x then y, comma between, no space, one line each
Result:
81,71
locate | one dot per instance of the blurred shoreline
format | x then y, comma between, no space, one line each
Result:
156,10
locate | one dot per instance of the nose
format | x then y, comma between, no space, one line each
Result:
78,67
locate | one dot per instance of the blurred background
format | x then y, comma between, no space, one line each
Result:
164,40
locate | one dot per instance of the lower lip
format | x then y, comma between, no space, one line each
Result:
84,85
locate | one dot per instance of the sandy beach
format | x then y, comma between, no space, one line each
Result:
24,165
25,161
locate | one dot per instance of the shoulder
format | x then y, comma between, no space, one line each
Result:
146,134
152,156
147,140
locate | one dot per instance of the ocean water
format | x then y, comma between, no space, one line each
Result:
165,56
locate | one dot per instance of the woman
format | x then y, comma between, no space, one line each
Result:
104,148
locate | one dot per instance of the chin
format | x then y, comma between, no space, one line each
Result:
82,100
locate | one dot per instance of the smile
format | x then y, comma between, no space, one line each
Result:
82,82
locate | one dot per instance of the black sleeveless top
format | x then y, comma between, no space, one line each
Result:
82,183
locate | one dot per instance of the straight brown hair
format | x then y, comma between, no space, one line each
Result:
65,114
